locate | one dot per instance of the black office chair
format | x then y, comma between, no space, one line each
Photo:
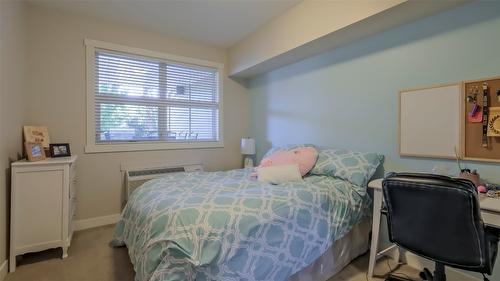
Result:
438,218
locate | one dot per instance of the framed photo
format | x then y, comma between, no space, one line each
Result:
34,151
59,150
36,134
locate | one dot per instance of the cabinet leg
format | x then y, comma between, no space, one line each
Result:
64,252
377,205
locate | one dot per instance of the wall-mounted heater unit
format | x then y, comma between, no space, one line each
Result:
134,178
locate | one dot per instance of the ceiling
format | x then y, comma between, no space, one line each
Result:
219,23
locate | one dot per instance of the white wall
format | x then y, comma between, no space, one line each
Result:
56,91
12,103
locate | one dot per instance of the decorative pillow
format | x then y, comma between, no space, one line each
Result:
279,174
304,157
355,167
286,148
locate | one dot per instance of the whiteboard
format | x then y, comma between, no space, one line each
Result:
429,121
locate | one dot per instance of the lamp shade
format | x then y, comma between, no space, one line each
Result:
247,146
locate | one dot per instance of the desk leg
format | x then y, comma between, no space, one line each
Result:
377,206
12,264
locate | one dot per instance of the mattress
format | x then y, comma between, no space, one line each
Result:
228,226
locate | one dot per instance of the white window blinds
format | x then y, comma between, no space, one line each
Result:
142,99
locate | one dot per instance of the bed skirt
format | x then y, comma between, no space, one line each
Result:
339,255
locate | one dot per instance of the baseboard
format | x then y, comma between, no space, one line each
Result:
95,222
451,273
4,269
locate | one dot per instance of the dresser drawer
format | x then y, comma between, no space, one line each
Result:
37,206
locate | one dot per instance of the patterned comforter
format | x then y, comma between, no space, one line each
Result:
229,226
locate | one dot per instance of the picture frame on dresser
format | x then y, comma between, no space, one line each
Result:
36,134
34,151
59,150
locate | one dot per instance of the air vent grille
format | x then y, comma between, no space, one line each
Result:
155,171
137,177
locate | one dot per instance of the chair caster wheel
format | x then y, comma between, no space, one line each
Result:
426,274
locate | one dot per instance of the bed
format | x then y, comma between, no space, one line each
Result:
229,226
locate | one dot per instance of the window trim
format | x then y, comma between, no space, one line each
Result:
93,147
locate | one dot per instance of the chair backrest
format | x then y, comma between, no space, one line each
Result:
436,217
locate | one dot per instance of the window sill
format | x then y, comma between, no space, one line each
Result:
128,147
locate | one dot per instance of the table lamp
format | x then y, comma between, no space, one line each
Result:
248,149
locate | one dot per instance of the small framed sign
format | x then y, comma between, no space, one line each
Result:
36,134
59,150
34,151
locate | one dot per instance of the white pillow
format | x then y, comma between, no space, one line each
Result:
279,174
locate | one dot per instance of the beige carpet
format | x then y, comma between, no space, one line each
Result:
91,259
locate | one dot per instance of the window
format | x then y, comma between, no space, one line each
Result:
143,100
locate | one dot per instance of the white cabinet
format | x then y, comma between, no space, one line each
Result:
43,202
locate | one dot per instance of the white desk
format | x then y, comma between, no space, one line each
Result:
490,211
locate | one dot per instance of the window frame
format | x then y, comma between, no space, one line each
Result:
93,147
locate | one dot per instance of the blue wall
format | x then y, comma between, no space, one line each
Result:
348,97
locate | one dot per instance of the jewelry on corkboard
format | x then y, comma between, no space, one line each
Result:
485,115
480,120
475,115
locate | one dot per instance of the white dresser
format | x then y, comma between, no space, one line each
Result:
43,201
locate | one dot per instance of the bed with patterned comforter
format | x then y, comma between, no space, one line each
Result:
229,226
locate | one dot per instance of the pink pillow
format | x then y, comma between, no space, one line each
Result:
305,157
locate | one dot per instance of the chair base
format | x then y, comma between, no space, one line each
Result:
439,275
392,277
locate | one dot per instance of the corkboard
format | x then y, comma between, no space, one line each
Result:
472,148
